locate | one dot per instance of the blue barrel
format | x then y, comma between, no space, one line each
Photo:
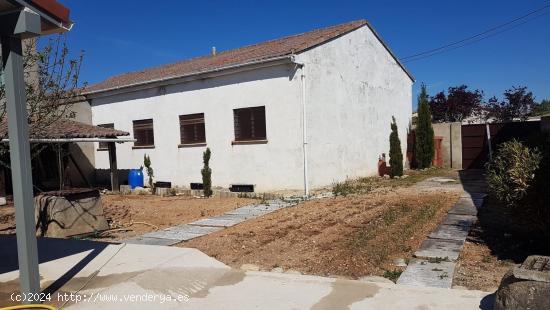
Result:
135,178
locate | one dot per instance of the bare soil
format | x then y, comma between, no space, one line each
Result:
498,241
132,215
351,236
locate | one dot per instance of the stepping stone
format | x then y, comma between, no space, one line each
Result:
231,217
459,220
249,212
464,208
150,241
217,222
433,248
473,195
197,230
450,232
425,274
178,235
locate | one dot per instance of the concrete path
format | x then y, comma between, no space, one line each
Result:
435,261
131,276
184,232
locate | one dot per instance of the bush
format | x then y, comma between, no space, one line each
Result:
396,156
511,172
149,169
424,143
206,174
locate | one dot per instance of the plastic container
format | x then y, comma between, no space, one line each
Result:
135,178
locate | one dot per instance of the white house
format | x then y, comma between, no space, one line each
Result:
294,113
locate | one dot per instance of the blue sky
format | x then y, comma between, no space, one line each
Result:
121,36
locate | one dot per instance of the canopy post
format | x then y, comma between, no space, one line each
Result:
113,167
21,171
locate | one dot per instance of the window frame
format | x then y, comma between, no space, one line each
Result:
197,120
246,119
143,123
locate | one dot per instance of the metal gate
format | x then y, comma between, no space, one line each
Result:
475,149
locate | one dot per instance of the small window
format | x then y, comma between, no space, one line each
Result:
249,124
105,145
192,129
143,133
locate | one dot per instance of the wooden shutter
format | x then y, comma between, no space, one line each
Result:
143,132
192,128
104,145
249,124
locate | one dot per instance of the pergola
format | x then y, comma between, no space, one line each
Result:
64,131
22,19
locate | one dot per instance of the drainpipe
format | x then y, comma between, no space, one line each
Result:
304,126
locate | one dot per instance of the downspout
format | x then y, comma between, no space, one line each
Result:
304,126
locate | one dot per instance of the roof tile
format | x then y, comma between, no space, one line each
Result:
257,52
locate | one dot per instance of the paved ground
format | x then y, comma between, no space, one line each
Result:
109,276
185,232
436,259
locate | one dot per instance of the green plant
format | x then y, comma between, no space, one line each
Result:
424,143
396,156
149,169
206,174
342,189
392,275
512,171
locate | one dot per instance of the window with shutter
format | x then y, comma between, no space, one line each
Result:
192,129
104,145
249,124
143,132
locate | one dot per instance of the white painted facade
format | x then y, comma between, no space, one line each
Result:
353,87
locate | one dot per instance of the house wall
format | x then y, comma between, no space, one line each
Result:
83,153
354,87
275,165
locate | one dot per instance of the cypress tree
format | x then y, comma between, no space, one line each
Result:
206,174
424,132
396,156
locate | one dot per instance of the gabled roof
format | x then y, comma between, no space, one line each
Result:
264,51
66,129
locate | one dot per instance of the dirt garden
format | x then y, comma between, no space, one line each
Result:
132,215
375,223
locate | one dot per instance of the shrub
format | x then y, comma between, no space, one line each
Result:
396,156
424,143
512,171
149,169
206,174
342,189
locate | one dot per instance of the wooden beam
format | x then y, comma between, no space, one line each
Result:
113,167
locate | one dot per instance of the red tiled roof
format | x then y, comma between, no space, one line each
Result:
252,53
67,129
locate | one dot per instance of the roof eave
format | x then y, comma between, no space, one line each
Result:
192,76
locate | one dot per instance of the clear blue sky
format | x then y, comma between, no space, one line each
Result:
121,36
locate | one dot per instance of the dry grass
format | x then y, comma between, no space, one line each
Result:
352,236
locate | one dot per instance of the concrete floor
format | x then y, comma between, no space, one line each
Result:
133,276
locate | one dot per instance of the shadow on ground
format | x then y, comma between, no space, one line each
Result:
508,236
50,249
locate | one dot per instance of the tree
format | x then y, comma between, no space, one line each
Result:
206,174
517,104
459,104
51,80
424,132
149,169
396,156
543,108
